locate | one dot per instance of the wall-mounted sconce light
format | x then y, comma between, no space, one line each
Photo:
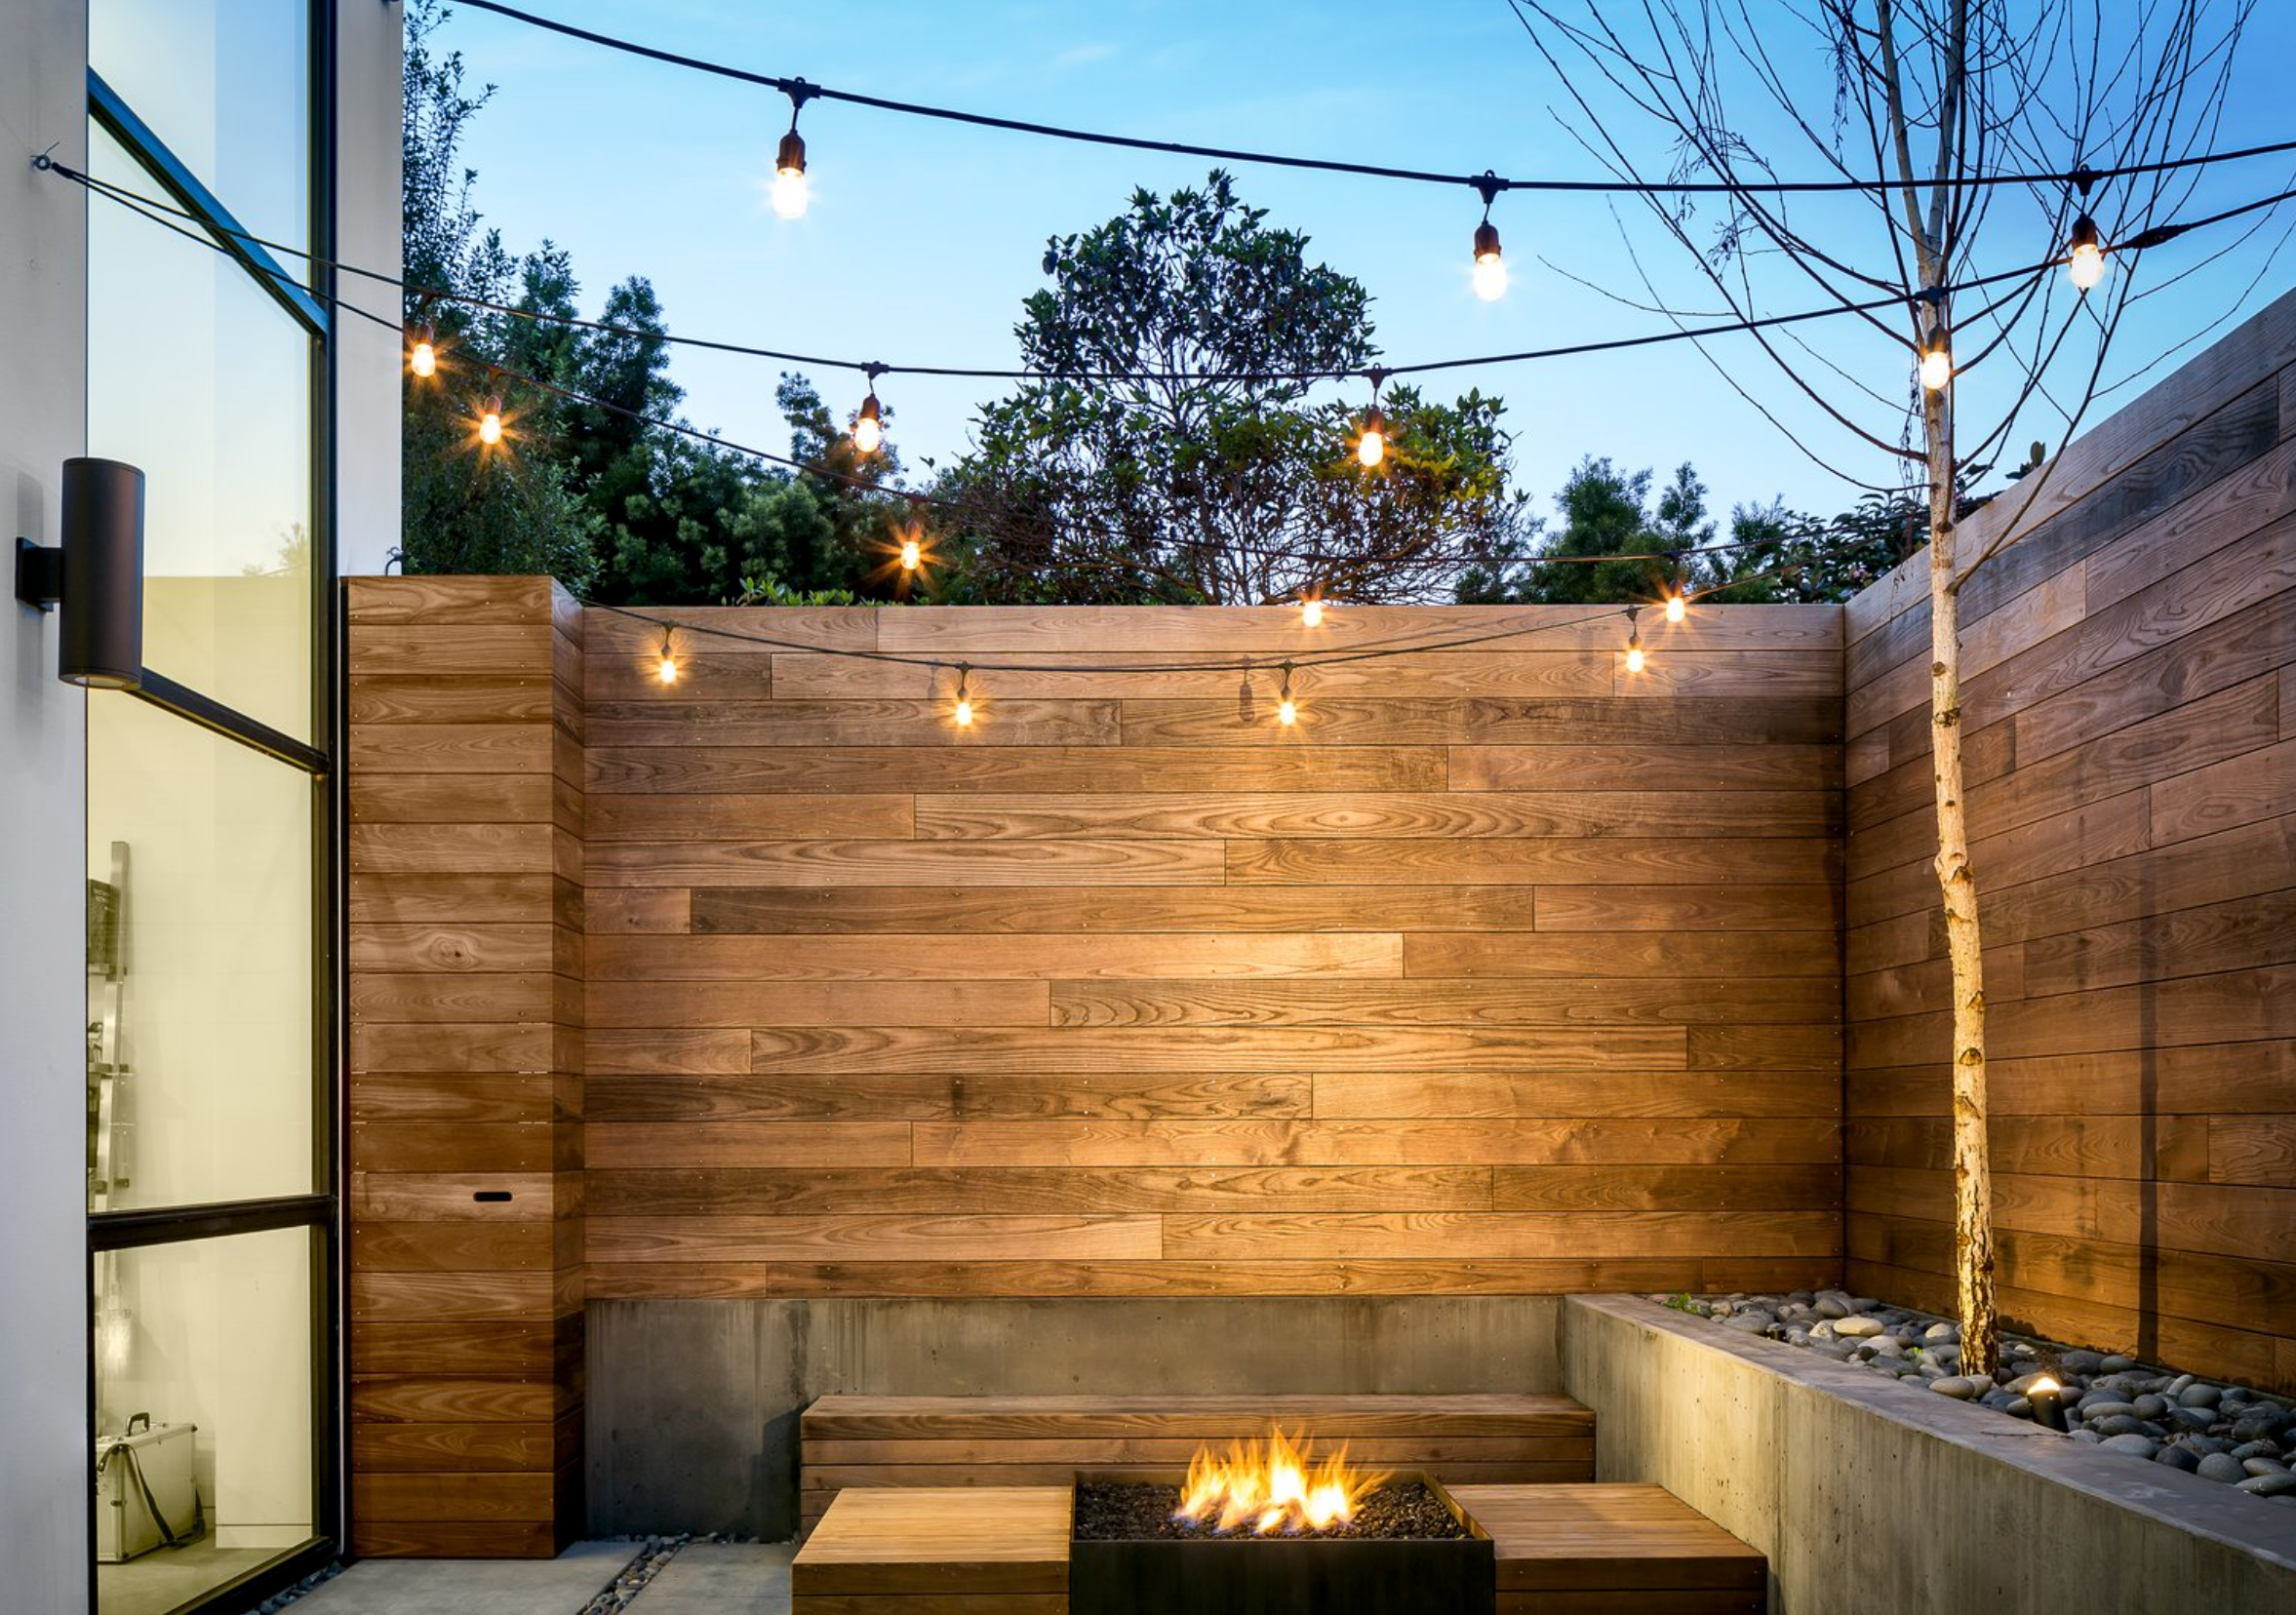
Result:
97,575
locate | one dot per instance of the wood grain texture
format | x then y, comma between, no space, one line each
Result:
2135,825
467,1009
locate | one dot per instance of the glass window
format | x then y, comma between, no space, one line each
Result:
199,377
199,979
204,1385
226,86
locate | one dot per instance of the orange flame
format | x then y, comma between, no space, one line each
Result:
1271,1486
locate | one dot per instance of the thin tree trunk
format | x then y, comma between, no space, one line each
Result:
1972,1168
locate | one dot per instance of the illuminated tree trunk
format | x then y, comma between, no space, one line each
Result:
1957,882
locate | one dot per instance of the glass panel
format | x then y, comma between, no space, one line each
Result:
198,377
203,1415
226,86
199,971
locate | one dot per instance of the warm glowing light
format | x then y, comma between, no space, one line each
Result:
964,713
1937,363
2044,1387
1311,613
1270,1486
1635,660
869,425
964,708
490,424
912,555
1490,269
667,666
423,357
790,194
1286,711
1371,446
1677,608
2086,262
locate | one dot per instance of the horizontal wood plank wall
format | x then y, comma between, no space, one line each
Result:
1503,971
2130,726
466,1261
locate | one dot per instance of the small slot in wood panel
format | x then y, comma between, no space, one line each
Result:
491,1196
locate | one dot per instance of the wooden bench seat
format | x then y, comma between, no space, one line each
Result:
937,1441
1562,1550
1604,1549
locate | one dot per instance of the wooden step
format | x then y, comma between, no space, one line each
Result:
851,1441
1562,1550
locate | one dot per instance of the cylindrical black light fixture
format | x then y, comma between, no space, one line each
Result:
97,575
101,644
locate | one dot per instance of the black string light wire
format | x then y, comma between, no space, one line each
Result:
801,91
872,369
206,232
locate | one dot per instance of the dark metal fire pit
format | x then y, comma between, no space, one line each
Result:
1207,1573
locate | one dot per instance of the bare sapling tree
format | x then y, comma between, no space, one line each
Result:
1933,110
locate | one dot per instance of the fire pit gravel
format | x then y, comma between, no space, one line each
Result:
1111,1511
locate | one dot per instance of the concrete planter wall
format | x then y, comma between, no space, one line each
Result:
1874,1496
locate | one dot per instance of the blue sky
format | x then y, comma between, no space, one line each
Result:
923,238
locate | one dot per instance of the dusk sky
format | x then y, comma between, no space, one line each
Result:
923,238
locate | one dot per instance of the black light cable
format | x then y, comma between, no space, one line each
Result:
794,86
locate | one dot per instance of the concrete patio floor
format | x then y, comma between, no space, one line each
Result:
703,1578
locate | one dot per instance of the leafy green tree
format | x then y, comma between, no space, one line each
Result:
1202,471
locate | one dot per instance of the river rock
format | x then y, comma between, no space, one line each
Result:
2221,1465
2136,1447
2177,1458
1955,1386
1857,1327
2200,1395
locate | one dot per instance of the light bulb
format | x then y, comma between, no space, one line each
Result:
490,424
912,555
1371,446
963,709
1286,712
868,426
423,357
1311,613
1490,269
667,667
2086,264
1937,364
1677,608
1635,658
790,193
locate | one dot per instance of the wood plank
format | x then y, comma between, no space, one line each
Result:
1567,955
1686,721
1422,1003
878,1541
1375,814
850,864
682,1098
793,818
889,1238
1527,861
1678,1093
698,1004
926,957
713,771
997,722
1627,1537
1234,1050
1622,767
1504,1236
1263,1143
428,602
1170,1279
1201,1416
1132,912
711,1192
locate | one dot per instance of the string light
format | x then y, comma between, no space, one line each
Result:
1287,709
2086,261
1677,608
490,422
667,666
1636,660
1490,269
912,554
1311,613
790,190
1937,359
869,424
423,357
964,708
1371,446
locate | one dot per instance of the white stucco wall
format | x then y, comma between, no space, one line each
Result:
44,1453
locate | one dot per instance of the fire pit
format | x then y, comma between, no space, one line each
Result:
1270,1530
